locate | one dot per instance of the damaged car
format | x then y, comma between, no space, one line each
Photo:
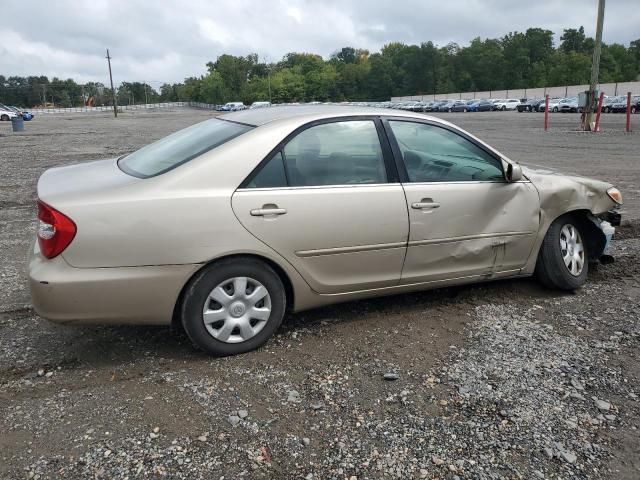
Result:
229,224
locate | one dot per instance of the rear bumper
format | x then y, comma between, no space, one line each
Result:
123,295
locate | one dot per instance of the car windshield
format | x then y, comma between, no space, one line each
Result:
180,147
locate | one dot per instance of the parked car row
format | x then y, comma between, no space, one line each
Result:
570,105
563,105
9,112
237,106
450,105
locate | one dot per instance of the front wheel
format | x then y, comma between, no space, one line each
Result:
555,109
233,306
465,110
563,258
634,110
450,110
4,118
504,108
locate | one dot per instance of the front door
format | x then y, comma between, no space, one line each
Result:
465,219
325,203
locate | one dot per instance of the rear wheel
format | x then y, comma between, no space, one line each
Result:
504,108
555,109
4,118
634,109
233,306
563,257
465,110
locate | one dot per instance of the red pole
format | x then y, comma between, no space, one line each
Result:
546,112
628,111
600,101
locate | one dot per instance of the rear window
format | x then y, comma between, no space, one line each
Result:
180,147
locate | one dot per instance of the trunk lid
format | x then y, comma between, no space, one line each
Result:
67,185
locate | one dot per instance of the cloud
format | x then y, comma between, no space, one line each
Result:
170,40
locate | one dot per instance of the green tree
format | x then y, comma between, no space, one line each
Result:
573,40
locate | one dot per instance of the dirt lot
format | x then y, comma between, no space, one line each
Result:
502,380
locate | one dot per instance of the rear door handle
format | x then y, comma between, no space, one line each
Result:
425,205
263,212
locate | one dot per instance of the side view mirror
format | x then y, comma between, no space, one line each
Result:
514,172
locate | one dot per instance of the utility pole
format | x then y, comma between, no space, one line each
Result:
44,96
595,69
113,92
146,101
267,62
269,79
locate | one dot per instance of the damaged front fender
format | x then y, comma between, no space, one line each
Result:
562,194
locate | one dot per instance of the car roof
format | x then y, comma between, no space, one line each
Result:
262,116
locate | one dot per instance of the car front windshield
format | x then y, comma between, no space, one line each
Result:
180,147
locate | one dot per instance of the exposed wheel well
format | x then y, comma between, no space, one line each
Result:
175,321
595,239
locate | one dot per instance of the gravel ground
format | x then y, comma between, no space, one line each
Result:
501,380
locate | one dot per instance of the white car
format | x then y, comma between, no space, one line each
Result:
6,113
507,104
260,104
554,104
233,106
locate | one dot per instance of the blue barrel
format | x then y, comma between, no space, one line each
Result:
17,123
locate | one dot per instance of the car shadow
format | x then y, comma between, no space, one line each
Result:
99,346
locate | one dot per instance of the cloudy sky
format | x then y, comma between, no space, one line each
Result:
167,40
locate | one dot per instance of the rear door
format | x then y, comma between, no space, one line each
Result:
329,202
465,219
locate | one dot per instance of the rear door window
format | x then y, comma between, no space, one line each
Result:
336,153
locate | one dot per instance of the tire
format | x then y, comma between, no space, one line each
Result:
504,108
465,110
450,110
607,110
210,279
555,109
4,118
551,269
633,110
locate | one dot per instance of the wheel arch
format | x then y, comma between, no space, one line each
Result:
282,274
595,238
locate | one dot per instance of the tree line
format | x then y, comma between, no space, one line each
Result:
517,60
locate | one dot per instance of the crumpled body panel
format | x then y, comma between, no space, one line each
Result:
560,194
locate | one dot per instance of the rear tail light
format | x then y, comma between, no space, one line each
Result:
55,230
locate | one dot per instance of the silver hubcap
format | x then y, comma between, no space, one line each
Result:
572,249
236,310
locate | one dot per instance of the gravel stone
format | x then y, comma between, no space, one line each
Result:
568,457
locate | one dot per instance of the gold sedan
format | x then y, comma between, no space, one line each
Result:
230,223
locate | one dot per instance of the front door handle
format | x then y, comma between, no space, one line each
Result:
425,205
266,211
